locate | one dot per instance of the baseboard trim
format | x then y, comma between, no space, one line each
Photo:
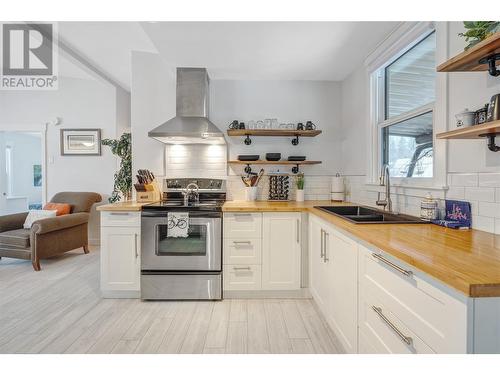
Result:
248,294
121,293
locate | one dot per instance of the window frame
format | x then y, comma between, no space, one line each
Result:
397,44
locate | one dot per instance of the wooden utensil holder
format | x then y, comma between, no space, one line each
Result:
152,194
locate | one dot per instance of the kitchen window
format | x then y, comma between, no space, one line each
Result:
405,95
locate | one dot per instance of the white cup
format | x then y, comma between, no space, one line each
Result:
251,193
299,195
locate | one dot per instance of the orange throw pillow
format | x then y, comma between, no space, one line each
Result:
60,208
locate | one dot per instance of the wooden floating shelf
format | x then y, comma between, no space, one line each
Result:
472,132
468,61
272,133
279,162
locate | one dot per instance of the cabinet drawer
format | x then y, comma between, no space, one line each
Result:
120,219
243,225
439,319
242,277
383,332
242,251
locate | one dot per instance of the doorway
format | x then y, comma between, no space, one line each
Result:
22,174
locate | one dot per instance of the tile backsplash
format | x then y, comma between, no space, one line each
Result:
482,190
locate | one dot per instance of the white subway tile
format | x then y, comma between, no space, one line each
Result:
489,209
482,194
463,179
489,179
486,224
455,192
497,226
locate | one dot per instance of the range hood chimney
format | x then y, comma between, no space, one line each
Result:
191,124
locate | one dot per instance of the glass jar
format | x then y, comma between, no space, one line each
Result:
428,208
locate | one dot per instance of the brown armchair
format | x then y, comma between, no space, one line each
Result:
50,236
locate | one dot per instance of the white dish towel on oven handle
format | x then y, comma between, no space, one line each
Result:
178,224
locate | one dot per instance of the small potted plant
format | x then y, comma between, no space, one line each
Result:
299,194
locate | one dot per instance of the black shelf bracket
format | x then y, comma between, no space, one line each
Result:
491,141
248,141
248,169
491,61
295,169
295,141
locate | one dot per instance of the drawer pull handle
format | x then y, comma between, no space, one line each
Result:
241,268
119,213
242,242
407,340
407,273
135,244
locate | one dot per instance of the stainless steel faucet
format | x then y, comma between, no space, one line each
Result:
385,180
191,191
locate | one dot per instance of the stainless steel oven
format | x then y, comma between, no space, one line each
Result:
183,262
199,251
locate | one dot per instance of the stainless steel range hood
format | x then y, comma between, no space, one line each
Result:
191,124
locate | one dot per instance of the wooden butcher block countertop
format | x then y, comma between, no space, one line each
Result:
468,261
123,206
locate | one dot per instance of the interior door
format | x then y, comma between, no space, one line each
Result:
21,172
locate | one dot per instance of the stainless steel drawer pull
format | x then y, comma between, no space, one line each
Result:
135,244
407,273
241,268
408,340
325,252
322,248
242,242
119,213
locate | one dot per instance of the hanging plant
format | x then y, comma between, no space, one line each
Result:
477,31
123,177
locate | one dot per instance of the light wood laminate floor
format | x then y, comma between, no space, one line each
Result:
59,310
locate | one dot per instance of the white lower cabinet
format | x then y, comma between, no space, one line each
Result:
121,256
377,304
281,251
334,284
262,251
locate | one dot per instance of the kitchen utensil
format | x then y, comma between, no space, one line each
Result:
139,187
310,125
296,158
248,157
261,173
273,156
494,108
465,118
300,126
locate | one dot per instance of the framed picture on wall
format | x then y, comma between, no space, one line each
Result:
80,142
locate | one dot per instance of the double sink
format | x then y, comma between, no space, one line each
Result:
366,215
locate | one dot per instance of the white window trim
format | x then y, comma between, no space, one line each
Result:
404,38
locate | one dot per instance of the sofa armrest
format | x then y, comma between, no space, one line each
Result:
13,221
59,222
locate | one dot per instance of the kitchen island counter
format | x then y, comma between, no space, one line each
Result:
467,261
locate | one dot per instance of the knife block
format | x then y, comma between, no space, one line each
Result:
152,193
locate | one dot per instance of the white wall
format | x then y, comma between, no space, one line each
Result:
473,170
152,103
288,101
83,102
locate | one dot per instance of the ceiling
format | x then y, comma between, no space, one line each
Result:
231,50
